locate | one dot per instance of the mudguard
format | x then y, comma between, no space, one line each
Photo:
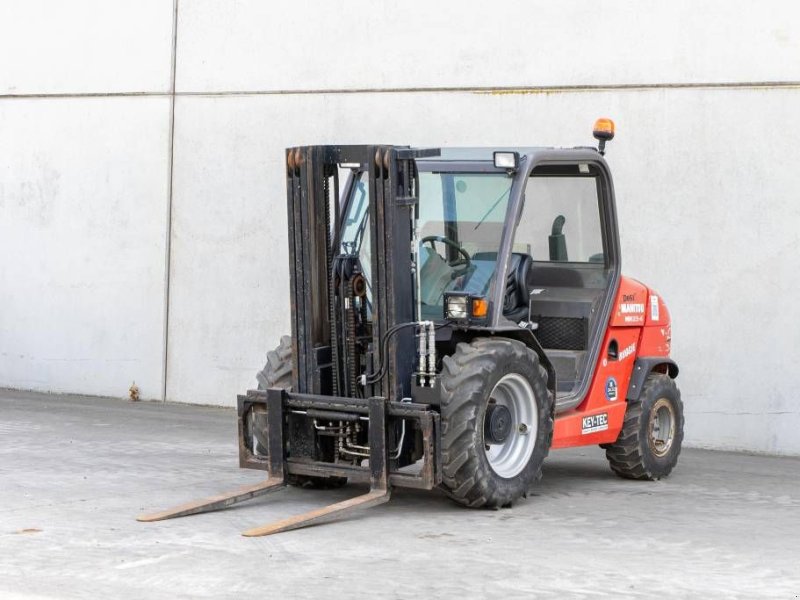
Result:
643,366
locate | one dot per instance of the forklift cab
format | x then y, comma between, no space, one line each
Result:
529,243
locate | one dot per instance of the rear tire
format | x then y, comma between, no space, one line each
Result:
277,372
652,433
493,371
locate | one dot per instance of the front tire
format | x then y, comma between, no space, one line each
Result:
486,461
652,433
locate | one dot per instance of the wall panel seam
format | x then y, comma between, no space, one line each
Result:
170,181
521,89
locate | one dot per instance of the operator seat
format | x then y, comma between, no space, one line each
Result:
515,301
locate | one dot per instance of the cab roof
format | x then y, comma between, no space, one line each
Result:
485,155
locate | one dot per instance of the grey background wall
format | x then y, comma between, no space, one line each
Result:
142,232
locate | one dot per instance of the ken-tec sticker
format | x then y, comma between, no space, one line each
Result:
594,423
611,389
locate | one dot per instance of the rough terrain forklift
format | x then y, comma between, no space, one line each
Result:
456,314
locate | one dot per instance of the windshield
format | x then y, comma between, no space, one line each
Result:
461,221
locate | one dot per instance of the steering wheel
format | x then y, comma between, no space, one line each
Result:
465,262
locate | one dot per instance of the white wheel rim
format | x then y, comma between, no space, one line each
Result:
509,458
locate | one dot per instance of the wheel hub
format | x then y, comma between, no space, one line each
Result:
497,424
510,425
661,428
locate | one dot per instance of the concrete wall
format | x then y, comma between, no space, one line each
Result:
92,189
84,186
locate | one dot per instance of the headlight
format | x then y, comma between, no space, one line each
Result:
455,306
459,306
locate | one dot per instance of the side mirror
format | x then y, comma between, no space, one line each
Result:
557,240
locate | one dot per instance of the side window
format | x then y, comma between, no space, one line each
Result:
560,221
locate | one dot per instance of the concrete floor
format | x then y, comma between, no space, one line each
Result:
74,472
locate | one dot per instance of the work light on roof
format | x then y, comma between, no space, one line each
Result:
506,160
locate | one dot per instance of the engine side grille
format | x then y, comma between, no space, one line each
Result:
563,333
